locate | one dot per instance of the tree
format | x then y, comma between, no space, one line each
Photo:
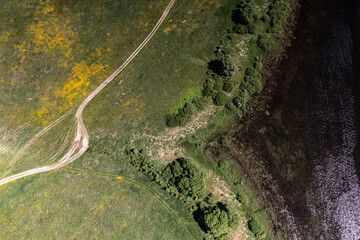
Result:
216,221
245,13
241,100
229,67
265,42
225,66
221,99
183,116
208,87
251,28
240,29
187,179
254,227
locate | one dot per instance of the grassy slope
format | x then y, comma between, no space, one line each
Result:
173,62
86,206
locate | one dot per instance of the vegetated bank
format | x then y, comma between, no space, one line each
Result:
235,78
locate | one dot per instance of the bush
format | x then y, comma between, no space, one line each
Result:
230,106
254,227
279,13
241,100
208,87
265,42
228,84
234,219
199,102
251,28
245,13
225,66
257,85
240,29
185,177
189,109
250,71
182,117
219,85
258,66
223,164
217,220
229,67
138,160
221,99
265,18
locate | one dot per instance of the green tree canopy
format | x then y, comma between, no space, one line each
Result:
216,221
245,13
187,178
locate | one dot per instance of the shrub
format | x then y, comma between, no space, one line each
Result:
240,29
250,71
230,106
185,177
219,85
234,219
241,100
254,227
228,84
182,117
265,42
226,66
245,13
217,220
138,160
251,28
199,102
208,87
229,67
265,18
279,13
221,99
189,109
258,66
257,84
171,120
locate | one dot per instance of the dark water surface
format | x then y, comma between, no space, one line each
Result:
333,196
310,143
330,137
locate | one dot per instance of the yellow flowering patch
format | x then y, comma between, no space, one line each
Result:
134,100
142,24
167,30
52,32
101,53
77,85
206,4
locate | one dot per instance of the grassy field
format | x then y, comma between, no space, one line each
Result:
173,63
73,204
54,53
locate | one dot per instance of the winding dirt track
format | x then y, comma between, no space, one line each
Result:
81,141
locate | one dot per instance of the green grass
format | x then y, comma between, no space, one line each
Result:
211,148
71,204
63,204
39,82
173,63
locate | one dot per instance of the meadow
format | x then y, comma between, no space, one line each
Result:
54,53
